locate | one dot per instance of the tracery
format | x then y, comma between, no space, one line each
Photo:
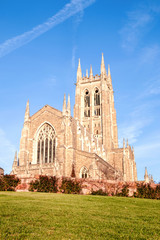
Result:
46,142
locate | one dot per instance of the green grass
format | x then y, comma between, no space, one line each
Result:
56,216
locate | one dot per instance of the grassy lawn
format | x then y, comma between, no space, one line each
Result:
57,216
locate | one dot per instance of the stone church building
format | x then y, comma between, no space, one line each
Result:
54,143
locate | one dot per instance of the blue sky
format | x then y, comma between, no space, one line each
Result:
40,43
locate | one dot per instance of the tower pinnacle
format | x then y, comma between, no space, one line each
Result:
91,72
146,177
69,106
79,72
123,143
64,104
103,69
27,115
87,73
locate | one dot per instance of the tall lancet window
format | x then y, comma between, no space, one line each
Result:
46,144
97,102
86,104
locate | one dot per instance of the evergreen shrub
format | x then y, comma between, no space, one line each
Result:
8,182
44,184
146,191
124,192
99,192
70,186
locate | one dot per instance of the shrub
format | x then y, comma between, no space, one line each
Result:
124,191
146,191
8,182
99,192
44,184
70,186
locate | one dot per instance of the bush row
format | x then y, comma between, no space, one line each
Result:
143,191
8,182
49,184
146,191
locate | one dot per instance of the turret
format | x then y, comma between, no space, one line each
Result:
109,75
103,69
123,143
91,73
15,162
27,114
79,71
146,177
69,106
127,143
23,153
87,73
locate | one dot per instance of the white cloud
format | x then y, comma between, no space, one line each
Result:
132,131
147,154
70,9
76,23
73,56
132,30
152,87
138,22
148,150
7,151
150,54
51,81
132,128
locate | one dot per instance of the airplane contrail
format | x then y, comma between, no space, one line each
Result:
70,9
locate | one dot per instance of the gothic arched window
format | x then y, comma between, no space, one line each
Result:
87,104
97,102
84,173
46,144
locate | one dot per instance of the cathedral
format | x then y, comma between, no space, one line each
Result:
54,143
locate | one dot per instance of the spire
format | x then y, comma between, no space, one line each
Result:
146,173
15,162
87,73
27,115
69,106
127,143
15,156
146,177
91,72
103,69
64,104
123,143
79,72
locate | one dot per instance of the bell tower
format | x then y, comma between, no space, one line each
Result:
94,105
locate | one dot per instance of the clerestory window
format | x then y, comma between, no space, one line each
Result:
46,144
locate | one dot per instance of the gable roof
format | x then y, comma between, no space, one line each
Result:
49,109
